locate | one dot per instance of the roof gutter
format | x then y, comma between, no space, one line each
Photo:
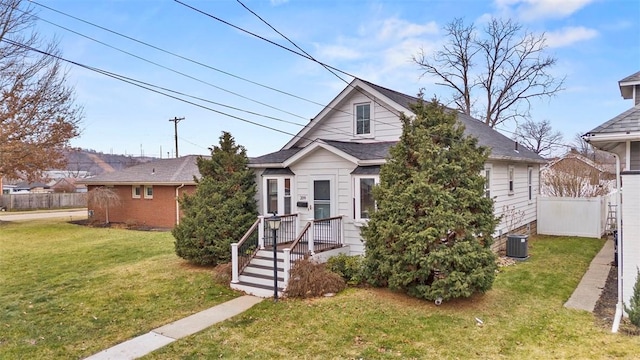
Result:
616,137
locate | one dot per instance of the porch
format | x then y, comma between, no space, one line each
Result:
254,258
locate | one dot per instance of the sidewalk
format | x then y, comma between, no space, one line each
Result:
162,336
588,292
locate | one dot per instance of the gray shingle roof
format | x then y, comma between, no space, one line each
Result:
175,171
274,157
630,78
627,121
363,151
501,146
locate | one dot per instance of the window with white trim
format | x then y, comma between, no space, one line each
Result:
362,119
136,191
364,202
148,192
487,182
530,182
511,174
278,195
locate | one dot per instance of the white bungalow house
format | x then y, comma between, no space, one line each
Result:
322,181
621,136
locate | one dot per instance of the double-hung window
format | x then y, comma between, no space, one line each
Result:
364,202
487,182
363,120
530,182
278,195
136,191
511,174
148,192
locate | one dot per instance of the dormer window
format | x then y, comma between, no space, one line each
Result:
363,120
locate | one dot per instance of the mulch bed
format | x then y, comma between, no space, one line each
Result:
605,308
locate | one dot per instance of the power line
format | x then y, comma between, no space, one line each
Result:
308,56
170,69
139,84
340,132
177,55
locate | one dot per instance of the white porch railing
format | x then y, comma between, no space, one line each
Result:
316,236
256,238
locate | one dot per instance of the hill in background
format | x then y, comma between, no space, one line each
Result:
83,162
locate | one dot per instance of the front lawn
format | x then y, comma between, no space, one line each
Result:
522,317
68,291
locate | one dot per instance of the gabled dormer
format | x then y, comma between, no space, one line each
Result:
630,88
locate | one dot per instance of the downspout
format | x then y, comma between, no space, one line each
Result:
620,306
178,204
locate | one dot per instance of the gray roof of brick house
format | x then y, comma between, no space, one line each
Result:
175,171
627,121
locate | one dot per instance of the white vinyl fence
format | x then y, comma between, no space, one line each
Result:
567,216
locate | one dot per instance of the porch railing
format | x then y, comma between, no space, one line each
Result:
243,251
289,225
317,236
256,238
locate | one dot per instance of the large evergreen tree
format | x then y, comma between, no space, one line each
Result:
431,233
222,208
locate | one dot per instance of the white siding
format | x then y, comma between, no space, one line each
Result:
520,196
324,164
259,191
630,247
339,124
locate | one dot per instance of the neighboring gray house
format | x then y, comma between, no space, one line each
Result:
324,175
621,136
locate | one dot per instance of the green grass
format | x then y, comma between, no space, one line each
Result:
523,318
68,291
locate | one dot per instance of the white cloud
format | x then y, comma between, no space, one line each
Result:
330,53
569,35
530,10
396,29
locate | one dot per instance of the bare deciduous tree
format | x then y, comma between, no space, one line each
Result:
538,136
103,198
582,147
37,112
495,73
573,178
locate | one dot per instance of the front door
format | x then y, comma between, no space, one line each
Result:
321,199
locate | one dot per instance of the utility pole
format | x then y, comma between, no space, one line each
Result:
176,120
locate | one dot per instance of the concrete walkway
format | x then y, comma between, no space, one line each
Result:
588,292
162,336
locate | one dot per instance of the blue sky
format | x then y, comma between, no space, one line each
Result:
596,43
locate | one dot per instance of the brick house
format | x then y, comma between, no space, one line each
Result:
148,192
